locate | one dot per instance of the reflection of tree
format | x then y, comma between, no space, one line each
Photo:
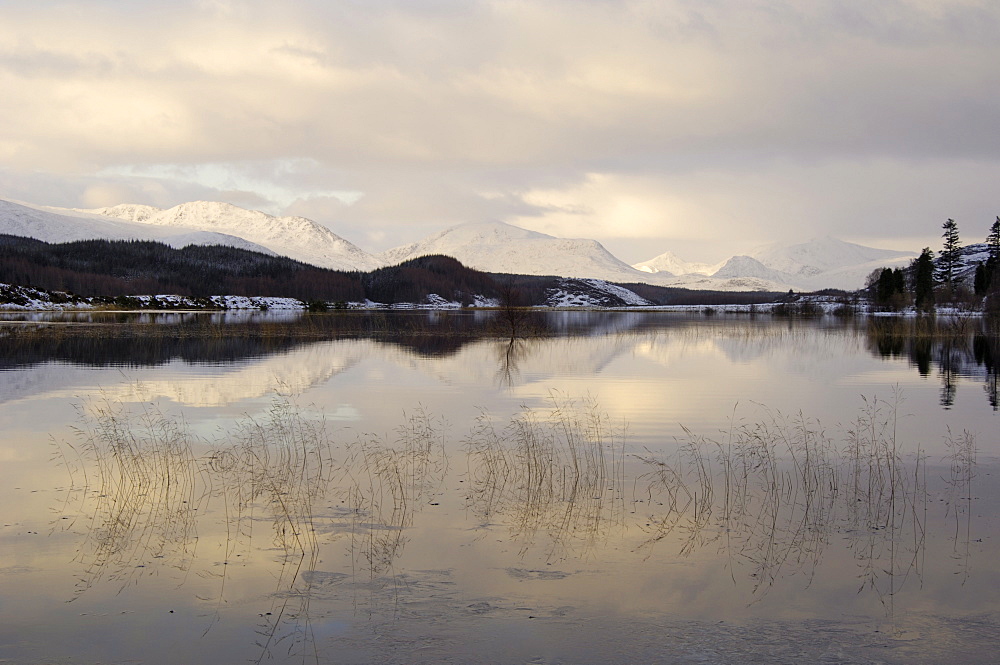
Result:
986,349
946,362
957,348
509,356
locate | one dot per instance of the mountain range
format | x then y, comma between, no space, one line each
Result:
487,246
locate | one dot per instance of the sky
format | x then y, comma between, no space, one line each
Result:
701,127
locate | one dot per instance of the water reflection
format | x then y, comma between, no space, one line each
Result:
558,474
953,349
140,498
137,490
968,348
279,499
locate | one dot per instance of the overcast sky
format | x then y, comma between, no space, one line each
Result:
703,127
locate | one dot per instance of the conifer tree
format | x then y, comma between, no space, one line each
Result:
986,274
923,280
950,253
993,241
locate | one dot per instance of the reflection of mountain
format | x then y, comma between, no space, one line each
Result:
287,371
462,349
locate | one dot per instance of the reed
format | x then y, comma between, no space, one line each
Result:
786,488
557,473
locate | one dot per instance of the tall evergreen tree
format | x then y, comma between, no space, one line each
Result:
950,253
981,282
987,274
993,241
923,280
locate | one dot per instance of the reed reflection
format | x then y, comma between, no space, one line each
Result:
775,493
775,496
557,474
142,499
135,491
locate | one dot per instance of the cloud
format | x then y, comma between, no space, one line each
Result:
678,120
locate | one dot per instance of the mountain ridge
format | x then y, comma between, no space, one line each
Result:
295,237
496,247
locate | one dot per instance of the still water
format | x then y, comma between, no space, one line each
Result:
408,487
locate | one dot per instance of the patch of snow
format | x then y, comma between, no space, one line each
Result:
592,293
257,303
58,225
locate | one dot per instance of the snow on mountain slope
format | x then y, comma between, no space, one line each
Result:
668,262
503,248
818,264
489,246
592,293
295,237
747,266
63,225
131,212
822,255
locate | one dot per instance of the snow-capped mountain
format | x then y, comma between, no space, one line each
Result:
818,264
670,263
63,225
747,266
503,248
828,262
823,255
295,237
488,246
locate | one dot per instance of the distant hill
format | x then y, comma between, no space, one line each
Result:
821,263
64,225
295,237
131,267
493,247
502,248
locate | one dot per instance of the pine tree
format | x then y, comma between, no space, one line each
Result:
993,241
991,269
923,280
982,279
950,253
885,287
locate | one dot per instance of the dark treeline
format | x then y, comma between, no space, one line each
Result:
413,280
959,275
138,267
109,268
